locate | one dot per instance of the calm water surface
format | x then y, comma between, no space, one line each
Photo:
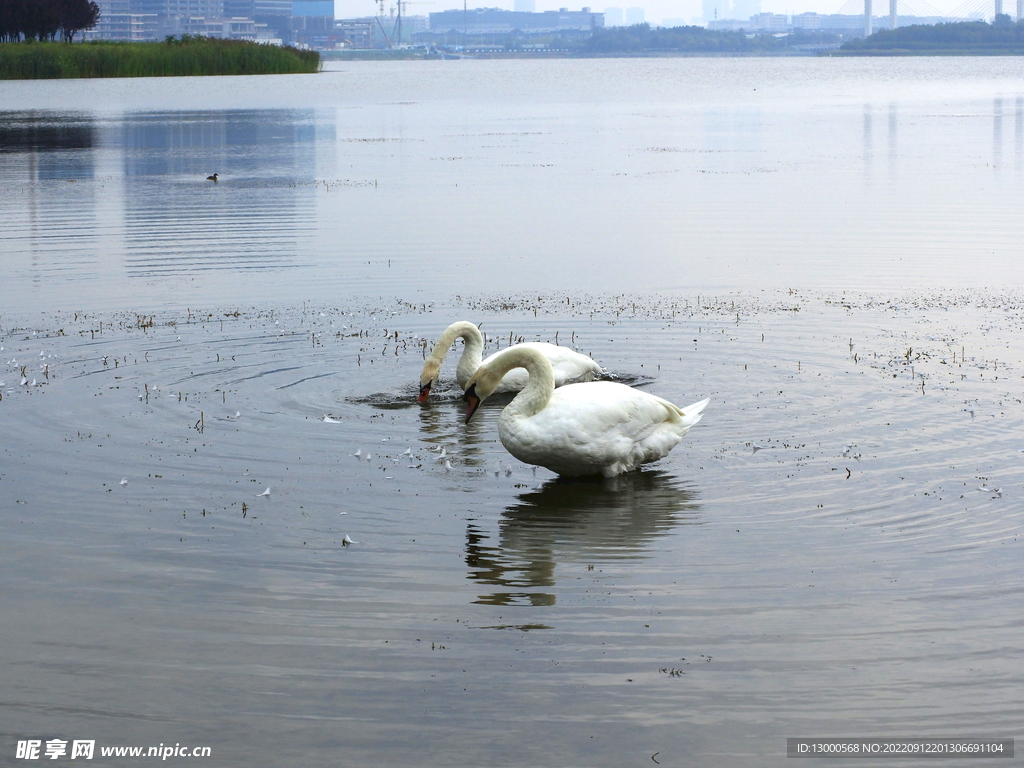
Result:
424,180
833,550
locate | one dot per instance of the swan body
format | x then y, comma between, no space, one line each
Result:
568,366
600,427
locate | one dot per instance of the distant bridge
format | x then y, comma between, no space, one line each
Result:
969,9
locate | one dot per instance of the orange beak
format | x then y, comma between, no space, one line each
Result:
424,392
472,402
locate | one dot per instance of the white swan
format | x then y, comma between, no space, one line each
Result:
568,366
583,429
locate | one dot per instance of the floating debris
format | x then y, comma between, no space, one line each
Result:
265,493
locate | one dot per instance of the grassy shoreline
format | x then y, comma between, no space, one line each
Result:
172,58
877,52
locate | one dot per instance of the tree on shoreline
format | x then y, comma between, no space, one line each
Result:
78,16
1003,34
45,19
642,37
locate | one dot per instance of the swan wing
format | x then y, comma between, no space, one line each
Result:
569,367
600,427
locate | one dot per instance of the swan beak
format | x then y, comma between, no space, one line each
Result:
424,392
473,402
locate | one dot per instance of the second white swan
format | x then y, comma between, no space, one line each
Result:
583,429
568,366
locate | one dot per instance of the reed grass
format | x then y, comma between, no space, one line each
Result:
174,57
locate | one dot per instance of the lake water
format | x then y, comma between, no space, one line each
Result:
829,249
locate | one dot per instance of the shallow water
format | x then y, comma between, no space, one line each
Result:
421,181
826,553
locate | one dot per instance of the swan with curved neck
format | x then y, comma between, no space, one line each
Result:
568,366
583,429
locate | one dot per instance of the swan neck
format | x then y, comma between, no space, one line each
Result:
541,384
472,354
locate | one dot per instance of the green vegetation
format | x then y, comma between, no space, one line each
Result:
640,38
1002,37
44,19
636,40
174,57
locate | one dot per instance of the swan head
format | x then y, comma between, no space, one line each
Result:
472,401
431,370
479,387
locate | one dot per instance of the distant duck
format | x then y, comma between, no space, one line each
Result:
212,178
569,367
599,428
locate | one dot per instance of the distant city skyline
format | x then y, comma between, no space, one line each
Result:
655,11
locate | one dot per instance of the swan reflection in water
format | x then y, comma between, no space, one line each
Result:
570,521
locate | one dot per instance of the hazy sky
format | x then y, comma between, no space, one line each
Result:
655,10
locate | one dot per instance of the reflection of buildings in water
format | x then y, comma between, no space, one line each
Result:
997,133
257,214
1018,133
47,228
566,520
868,139
57,144
148,209
893,139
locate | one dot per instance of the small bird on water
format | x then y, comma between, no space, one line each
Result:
212,178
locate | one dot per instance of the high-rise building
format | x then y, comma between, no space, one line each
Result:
118,21
613,17
150,19
276,14
183,8
497,21
253,8
634,15
322,8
